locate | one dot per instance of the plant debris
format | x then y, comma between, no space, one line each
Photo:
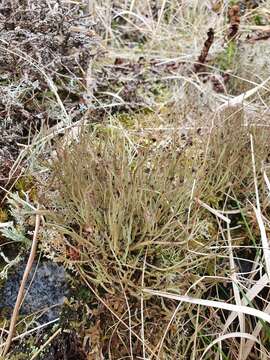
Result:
234,21
202,58
45,49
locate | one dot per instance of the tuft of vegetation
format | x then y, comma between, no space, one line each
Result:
127,209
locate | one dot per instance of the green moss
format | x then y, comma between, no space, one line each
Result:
26,184
226,60
3,215
258,20
126,119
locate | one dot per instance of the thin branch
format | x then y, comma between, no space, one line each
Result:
22,286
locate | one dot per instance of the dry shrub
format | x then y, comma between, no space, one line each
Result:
122,198
45,50
125,206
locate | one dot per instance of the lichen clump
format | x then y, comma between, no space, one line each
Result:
127,209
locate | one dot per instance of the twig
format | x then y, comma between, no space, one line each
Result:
261,36
205,50
213,211
142,308
234,19
240,99
258,212
147,347
57,332
29,332
22,286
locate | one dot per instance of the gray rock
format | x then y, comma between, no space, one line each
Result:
47,290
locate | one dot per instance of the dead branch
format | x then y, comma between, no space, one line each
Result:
234,20
22,286
202,58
